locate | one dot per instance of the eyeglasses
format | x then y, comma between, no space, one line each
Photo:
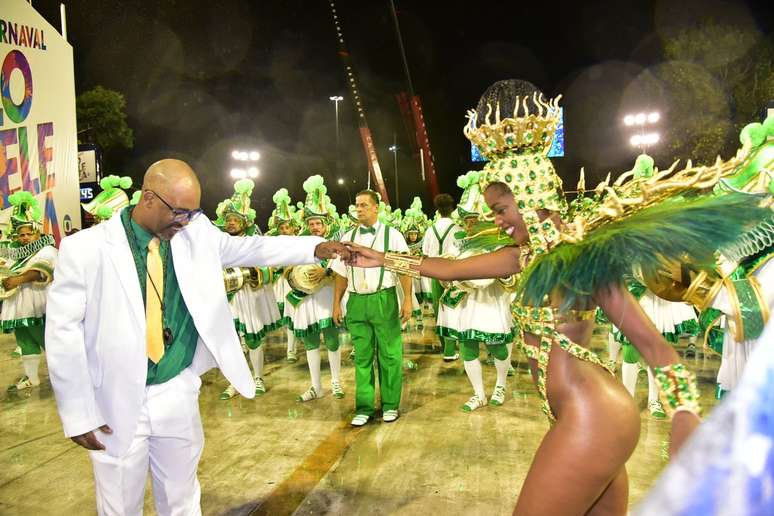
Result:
180,215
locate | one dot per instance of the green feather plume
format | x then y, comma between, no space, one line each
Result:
313,183
676,229
281,196
113,181
104,212
244,186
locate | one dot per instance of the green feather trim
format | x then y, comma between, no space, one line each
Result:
685,230
485,237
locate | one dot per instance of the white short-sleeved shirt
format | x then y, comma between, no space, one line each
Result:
366,281
431,246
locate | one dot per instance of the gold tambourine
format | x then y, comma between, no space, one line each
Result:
299,278
237,277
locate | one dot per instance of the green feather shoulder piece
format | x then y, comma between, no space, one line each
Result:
680,229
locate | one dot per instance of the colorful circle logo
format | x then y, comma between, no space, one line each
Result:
15,60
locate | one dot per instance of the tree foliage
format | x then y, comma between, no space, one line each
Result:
102,119
716,79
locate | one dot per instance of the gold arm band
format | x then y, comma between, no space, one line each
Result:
403,263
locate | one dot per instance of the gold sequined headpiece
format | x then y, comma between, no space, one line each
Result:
525,132
517,149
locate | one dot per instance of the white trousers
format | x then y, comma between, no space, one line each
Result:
169,440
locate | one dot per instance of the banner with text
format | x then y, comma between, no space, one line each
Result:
38,135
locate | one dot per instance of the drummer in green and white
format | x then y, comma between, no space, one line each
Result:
28,271
478,312
253,305
313,301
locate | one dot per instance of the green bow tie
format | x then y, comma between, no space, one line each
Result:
366,231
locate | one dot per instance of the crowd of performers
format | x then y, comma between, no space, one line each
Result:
650,256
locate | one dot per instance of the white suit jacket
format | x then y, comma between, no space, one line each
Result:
95,319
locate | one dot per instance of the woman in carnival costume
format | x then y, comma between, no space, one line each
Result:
27,273
253,303
312,294
572,258
283,222
475,312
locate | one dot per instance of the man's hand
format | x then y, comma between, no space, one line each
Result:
89,440
683,425
11,282
337,317
405,310
362,256
328,250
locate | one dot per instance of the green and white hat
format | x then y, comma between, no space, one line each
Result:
238,204
472,201
111,199
414,219
25,211
317,203
283,212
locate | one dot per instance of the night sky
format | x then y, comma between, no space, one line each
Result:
203,78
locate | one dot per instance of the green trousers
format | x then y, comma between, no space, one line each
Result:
374,323
30,339
436,293
330,335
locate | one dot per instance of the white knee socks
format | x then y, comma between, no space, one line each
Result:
313,360
31,364
629,376
256,358
502,370
475,375
652,387
613,347
334,359
291,341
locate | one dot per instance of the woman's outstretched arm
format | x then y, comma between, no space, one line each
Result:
498,264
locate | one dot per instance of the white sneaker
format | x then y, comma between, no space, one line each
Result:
498,396
23,383
657,409
260,387
390,415
360,420
310,394
229,393
338,392
474,403
292,357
